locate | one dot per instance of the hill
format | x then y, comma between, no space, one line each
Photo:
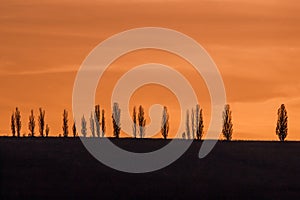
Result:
61,168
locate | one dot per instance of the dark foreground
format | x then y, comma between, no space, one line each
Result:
58,168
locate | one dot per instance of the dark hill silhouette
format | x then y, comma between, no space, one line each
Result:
61,168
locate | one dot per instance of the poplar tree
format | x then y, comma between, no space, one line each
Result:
116,117
41,121
282,123
142,121
227,123
31,123
165,123
65,126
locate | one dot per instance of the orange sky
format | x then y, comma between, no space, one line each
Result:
255,44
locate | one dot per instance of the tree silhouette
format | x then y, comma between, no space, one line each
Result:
134,125
199,122
41,120
282,123
65,126
18,121
165,123
227,123
97,119
31,124
142,121
13,125
83,126
103,126
193,124
92,125
183,135
47,130
187,125
74,130
116,120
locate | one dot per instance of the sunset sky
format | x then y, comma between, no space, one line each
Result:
254,43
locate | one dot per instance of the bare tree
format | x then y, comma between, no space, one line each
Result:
97,119
74,129
13,125
47,130
83,126
41,121
187,125
31,124
227,123
65,126
134,125
18,121
92,125
116,116
103,127
193,123
165,123
142,121
199,122
282,123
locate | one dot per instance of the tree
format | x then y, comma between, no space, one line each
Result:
13,125
193,123
92,125
18,121
187,125
65,126
47,130
134,125
199,122
41,120
74,129
116,116
165,123
103,127
227,123
97,119
31,124
142,121
282,123
83,126
183,136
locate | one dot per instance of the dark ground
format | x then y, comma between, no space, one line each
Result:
58,168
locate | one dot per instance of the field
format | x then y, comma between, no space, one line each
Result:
61,168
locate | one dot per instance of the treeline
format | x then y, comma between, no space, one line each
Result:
97,123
